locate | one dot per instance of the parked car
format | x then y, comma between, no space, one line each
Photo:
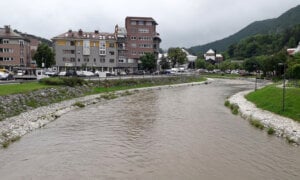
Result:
71,72
51,73
62,73
5,75
139,72
85,73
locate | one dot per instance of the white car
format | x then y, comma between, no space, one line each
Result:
62,73
5,75
85,73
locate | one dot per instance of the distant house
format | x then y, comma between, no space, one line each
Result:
212,57
292,51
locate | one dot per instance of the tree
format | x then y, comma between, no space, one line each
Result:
164,63
177,56
44,54
251,64
292,42
200,63
148,62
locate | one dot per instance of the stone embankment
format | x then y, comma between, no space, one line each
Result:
284,127
13,128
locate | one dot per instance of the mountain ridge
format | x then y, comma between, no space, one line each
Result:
268,26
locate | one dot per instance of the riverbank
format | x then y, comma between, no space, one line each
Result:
282,126
11,129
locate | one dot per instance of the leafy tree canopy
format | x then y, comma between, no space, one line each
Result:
44,54
177,56
148,62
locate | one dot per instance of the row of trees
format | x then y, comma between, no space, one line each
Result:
175,57
274,65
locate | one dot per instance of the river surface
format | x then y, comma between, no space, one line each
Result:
175,133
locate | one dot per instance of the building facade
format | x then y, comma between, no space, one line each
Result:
114,52
141,37
212,57
86,50
14,49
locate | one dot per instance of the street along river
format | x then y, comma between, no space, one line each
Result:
174,133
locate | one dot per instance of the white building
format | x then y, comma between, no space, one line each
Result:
292,51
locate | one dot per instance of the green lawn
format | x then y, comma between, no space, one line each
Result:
8,89
270,98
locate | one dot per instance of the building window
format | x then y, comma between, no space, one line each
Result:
94,59
6,50
78,59
21,61
133,38
143,30
69,51
72,59
133,22
111,53
102,53
21,42
121,61
141,22
78,43
5,41
111,60
102,45
72,43
102,59
148,23
133,45
111,45
86,60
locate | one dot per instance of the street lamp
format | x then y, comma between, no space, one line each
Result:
283,86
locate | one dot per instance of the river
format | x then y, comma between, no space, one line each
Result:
174,133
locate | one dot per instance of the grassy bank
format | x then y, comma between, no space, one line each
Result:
270,98
21,88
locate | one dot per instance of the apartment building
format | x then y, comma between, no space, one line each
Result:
86,50
14,49
141,37
117,51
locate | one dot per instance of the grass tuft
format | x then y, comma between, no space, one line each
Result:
257,124
271,131
79,104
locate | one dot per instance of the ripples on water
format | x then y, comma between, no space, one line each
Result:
177,133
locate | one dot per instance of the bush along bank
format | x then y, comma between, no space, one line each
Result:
266,120
40,107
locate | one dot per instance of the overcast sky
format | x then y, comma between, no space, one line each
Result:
182,23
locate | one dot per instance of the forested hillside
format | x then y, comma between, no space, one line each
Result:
265,44
270,26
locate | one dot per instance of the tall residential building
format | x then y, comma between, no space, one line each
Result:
14,49
86,50
141,37
118,51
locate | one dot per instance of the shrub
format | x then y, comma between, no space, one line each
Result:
234,109
227,103
79,104
52,81
109,96
67,81
271,131
257,124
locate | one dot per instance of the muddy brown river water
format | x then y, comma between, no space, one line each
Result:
176,133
